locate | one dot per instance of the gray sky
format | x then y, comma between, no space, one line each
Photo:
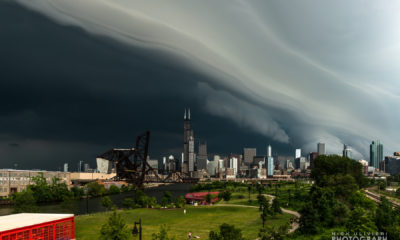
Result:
297,72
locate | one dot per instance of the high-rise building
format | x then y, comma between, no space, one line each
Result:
298,153
80,166
269,151
202,156
375,154
346,151
86,167
65,167
248,155
212,167
321,148
313,156
270,166
188,144
233,163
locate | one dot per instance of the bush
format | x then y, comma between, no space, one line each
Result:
24,201
115,228
128,203
226,195
124,188
95,189
180,202
106,202
226,232
162,235
113,190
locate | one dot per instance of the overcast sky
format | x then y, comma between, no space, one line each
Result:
79,76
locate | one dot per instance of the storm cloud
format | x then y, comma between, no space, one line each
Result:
295,72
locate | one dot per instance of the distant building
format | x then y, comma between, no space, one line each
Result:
212,167
86,167
375,154
321,148
171,163
80,166
230,173
153,163
312,157
233,163
270,166
392,164
298,153
202,157
248,155
269,151
103,165
65,167
364,164
12,180
300,163
188,145
346,151
258,159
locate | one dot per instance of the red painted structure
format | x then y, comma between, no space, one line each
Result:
60,227
200,197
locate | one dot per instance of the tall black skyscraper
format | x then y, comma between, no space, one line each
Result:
188,144
202,157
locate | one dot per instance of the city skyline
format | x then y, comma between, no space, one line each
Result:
83,90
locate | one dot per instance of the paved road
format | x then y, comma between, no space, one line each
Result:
294,225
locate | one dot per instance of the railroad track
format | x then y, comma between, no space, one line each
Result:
377,198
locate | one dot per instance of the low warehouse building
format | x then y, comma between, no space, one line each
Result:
35,226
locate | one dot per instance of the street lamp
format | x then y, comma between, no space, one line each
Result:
135,230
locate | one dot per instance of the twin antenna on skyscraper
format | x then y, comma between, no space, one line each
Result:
188,116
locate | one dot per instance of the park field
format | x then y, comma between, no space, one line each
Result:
199,220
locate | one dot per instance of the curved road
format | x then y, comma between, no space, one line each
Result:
294,225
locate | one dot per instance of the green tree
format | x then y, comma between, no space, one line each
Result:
273,232
262,201
180,202
309,220
226,232
41,189
124,188
226,195
106,202
398,192
95,189
276,206
114,190
360,221
59,190
24,201
208,198
162,235
168,196
115,228
164,201
128,203
326,167
77,192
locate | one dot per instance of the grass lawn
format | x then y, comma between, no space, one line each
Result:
198,220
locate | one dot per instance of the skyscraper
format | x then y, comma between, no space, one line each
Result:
188,145
375,154
346,151
298,153
269,151
248,155
65,167
321,149
202,156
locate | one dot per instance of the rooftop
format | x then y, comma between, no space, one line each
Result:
20,220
